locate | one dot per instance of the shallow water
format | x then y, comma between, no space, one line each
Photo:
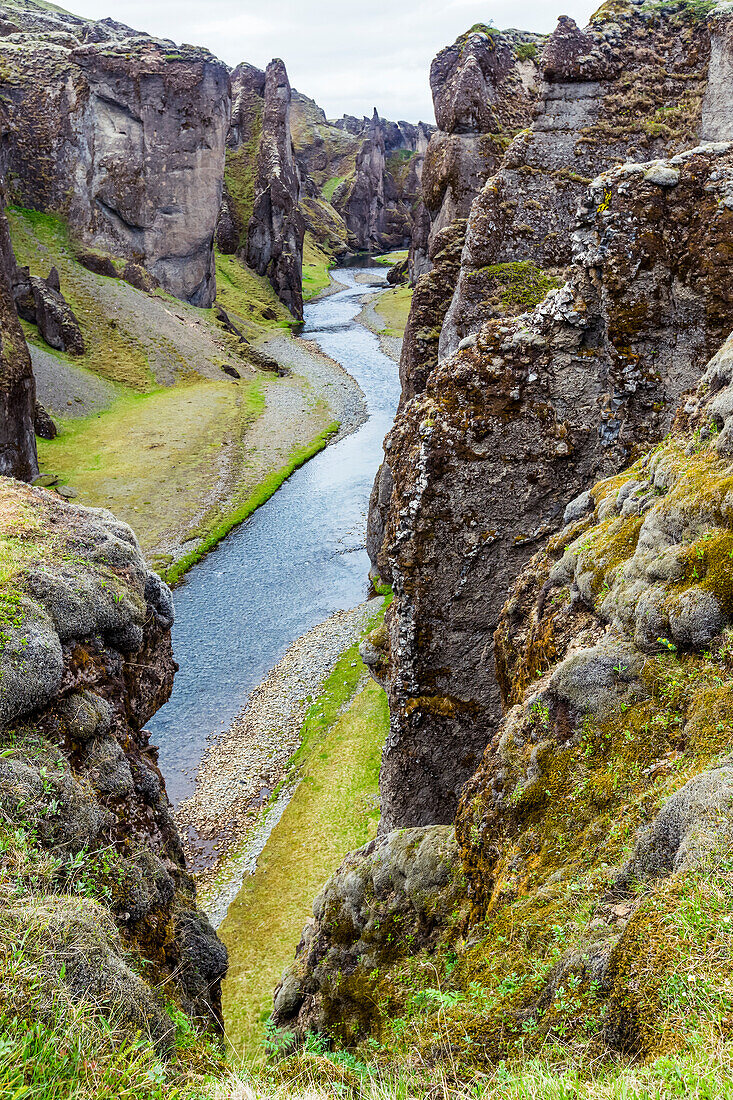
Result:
298,559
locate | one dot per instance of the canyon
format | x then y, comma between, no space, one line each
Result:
493,789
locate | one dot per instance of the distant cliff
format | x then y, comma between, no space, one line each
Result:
260,218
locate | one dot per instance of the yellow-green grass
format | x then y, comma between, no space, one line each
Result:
333,811
330,186
153,458
389,259
316,263
246,295
112,350
262,493
393,306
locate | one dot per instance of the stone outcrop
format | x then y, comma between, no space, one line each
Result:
17,385
399,889
276,228
41,302
599,817
86,661
632,86
483,88
376,202
511,426
637,81
121,134
361,178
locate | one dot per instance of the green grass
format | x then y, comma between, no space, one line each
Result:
389,259
113,349
393,306
330,186
152,458
316,263
265,489
245,295
333,811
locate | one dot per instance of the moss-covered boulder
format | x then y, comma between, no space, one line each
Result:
87,841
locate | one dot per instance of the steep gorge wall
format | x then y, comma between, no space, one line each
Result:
17,385
597,823
260,217
121,134
483,89
529,412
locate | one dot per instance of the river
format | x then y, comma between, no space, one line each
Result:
295,561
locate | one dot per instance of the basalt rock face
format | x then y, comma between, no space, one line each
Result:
17,386
483,89
86,661
275,232
400,888
513,425
361,177
121,134
634,85
600,814
376,202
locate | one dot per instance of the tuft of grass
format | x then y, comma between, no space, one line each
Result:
394,307
389,259
316,262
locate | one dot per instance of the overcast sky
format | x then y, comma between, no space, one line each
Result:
349,56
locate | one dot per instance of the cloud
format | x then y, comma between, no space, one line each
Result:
349,56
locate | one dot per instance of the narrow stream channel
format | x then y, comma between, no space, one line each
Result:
298,559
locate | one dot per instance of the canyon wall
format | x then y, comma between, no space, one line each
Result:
17,386
493,440
121,134
260,219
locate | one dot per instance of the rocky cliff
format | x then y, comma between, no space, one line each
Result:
260,217
17,385
121,134
483,89
597,823
91,866
377,201
529,411
361,177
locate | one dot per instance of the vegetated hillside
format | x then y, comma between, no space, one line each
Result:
545,911
107,967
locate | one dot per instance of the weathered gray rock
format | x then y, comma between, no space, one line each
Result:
85,663
18,456
89,140
610,95
276,228
513,425
396,891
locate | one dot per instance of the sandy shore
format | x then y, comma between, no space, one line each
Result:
222,824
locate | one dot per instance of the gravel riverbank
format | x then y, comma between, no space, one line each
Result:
222,824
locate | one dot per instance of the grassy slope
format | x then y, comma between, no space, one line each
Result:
155,455
333,811
316,263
